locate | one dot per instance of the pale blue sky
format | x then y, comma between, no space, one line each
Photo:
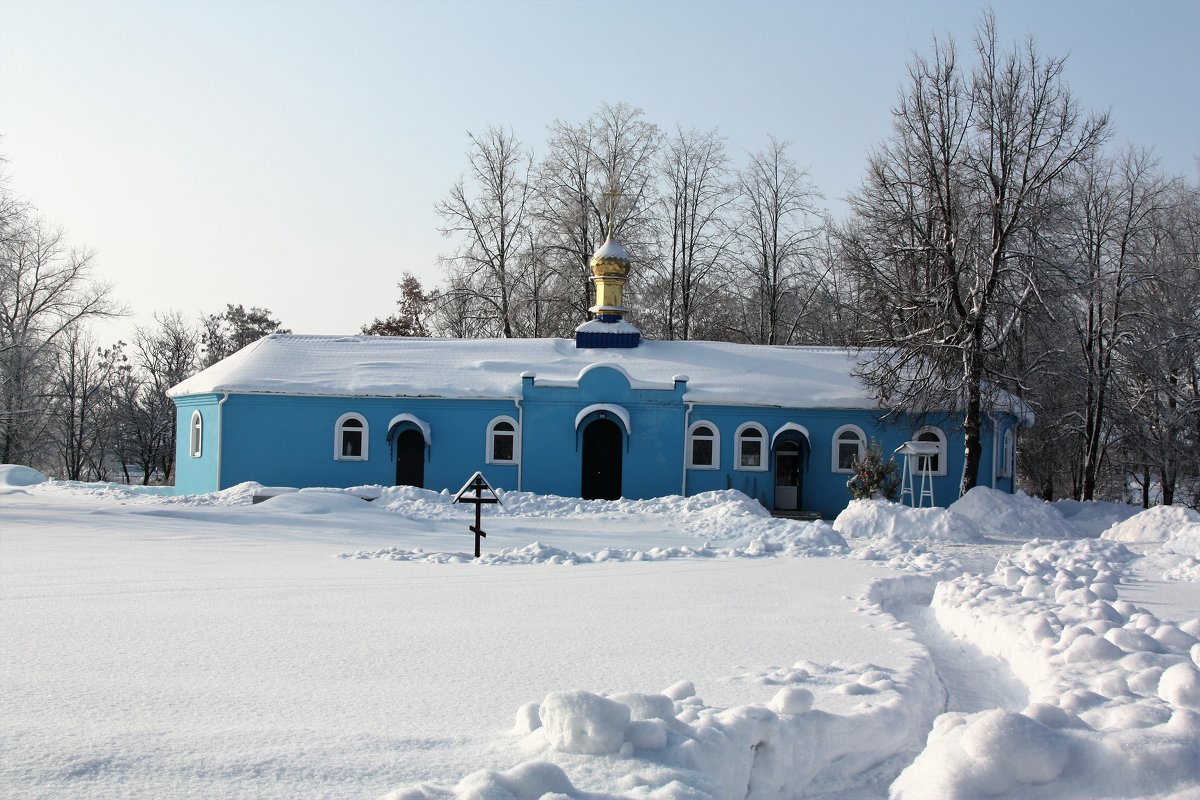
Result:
289,154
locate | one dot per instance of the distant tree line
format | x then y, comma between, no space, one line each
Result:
998,242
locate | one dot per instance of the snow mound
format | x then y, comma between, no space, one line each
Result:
315,503
880,518
1188,569
1184,541
528,781
15,475
1152,525
1000,514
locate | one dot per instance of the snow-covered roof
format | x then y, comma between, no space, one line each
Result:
393,366
611,249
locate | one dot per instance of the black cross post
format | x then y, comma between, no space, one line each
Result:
484,493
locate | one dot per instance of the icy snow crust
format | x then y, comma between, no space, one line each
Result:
664,649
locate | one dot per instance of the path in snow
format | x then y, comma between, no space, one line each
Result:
973,681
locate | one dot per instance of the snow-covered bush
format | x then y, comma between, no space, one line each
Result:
873,477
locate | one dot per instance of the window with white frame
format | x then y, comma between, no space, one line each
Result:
751,448
350,438
1008,455
502,441
849,445
936,463
704,446
196,435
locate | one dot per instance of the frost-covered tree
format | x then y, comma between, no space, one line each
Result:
47,290
489,218
776,230
940,242
692,218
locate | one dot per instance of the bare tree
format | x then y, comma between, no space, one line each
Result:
80,404
776,228
696,235
941,241
491,220
1114,207
409,320
46,291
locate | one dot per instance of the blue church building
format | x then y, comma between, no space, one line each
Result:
605,415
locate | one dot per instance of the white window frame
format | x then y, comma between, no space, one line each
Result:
764,453
1008,454
491,441
837,447
339,430
715,438
942,450
196,434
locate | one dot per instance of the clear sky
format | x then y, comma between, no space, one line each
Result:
289,154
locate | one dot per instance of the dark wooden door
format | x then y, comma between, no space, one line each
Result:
601,461
410,459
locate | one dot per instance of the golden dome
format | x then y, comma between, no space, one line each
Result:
610,259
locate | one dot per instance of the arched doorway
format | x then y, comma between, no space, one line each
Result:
410,458
789,474
601,479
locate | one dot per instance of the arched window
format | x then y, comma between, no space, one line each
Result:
936,463
751,445
704,446
502,445
1008,455
350,438
196,435
849,445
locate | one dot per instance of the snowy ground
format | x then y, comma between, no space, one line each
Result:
320,646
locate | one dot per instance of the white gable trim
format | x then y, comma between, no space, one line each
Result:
420,423
619,412
791,426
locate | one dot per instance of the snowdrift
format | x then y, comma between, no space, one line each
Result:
998,513
15,475
887,520
1152,525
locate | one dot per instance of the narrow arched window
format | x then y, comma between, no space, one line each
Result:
704,446
751,442
196,435
1008,457
502,446
934,464
350,438
849,445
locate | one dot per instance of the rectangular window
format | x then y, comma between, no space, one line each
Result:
502,447
751,453
702,452
352,444
847,454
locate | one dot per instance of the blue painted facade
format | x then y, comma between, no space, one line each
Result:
292,440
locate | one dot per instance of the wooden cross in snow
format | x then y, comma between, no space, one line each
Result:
484,493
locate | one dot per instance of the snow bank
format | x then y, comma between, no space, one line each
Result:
1001,514
1114,691
1184,540
795,539
872,518
1152,525
15,475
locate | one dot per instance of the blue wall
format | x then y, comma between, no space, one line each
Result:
290,441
